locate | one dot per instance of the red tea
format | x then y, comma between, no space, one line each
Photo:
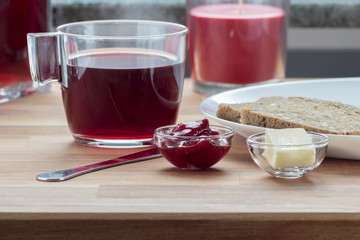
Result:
17,18
122,95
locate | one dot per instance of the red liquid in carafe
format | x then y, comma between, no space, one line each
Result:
17,18
235,47
122,95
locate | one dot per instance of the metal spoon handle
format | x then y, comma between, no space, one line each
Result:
74,172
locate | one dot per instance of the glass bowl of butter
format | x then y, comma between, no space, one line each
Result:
289,152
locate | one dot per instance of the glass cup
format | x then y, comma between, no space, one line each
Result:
17,18
120,79
236,43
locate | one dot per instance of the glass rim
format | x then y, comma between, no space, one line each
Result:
229,132
324,140
183,30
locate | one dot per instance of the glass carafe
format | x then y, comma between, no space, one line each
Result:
17,18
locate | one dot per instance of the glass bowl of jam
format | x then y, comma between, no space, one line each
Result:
195,145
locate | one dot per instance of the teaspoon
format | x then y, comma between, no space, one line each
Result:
74,172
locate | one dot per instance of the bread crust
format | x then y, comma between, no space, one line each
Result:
312,114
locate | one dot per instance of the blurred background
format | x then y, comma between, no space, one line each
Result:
323,35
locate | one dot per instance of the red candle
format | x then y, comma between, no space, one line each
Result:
235,46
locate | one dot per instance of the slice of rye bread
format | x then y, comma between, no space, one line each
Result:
312,114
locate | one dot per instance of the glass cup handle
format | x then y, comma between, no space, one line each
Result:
44,57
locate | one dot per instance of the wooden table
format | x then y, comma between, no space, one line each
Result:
153,199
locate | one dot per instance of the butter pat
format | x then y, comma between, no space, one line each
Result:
288,156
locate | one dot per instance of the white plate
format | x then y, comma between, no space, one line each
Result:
345,90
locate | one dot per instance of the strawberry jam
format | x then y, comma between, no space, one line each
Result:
194,145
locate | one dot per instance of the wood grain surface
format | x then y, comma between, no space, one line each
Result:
153,199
